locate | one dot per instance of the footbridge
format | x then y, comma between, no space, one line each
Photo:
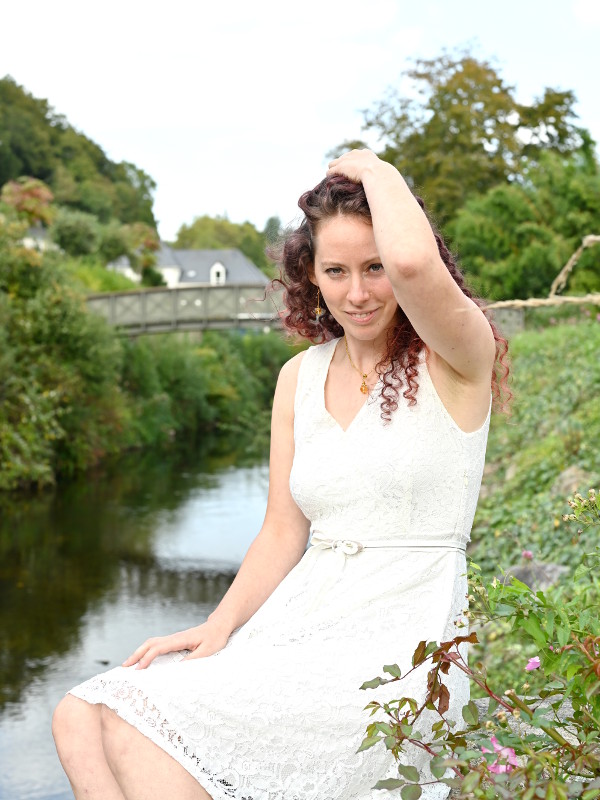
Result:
189,307
205,307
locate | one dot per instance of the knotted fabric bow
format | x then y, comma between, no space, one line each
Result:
346,546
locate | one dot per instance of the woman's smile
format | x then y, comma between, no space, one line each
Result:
362,317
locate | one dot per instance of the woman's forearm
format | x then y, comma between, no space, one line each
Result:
404,238
269,559
402,232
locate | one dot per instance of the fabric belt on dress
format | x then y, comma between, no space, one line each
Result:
345,548
350,547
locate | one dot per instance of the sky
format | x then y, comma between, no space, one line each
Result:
231,106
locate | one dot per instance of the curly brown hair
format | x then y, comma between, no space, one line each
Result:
333,196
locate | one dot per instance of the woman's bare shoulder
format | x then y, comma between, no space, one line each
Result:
291,367
288,380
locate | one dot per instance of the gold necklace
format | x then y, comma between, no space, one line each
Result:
363,387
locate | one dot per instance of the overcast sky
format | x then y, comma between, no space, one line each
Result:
232,106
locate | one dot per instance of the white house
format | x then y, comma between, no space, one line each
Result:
38,238
213,267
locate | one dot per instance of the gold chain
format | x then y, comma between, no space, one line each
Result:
363,387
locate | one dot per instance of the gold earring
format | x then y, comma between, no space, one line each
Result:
319,312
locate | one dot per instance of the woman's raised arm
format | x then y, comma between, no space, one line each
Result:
450,324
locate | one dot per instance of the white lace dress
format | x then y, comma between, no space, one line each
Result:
278,714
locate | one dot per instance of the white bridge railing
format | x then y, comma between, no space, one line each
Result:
190,307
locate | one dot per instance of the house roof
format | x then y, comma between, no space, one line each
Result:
38,232
195,265
165,256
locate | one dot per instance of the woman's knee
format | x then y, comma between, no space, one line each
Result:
74,723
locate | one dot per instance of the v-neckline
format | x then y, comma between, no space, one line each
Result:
325,376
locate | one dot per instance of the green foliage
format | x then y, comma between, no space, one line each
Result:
224,383
167,391
152,277
82,236
543,744
91,276
30,198
514,239
112,242
554,426
65,358
461,130
272,230
72,391
219,233
37,142
585,510
75,232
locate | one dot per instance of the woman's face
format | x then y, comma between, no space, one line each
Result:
351,278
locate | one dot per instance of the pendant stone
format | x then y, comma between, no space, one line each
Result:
363,387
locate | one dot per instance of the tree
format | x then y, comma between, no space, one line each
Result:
26,140
113,241
272,230
514,239
76,232
30,198
142,245
462,131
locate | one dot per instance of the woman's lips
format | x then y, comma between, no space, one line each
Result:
361,317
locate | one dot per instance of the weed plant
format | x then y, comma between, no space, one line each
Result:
536,738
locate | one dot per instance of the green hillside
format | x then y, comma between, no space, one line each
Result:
554,427
37,142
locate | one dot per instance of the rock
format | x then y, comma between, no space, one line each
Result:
490,468
535,574
490,481
511,471
570,480
485,491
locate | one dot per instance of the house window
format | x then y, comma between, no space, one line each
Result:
217,274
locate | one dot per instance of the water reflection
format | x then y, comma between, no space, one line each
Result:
145,547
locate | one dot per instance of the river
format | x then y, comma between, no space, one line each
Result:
145,546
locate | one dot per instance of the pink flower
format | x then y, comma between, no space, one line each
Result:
533,663
506,753
527,555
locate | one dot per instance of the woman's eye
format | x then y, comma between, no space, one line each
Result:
376,267
333,270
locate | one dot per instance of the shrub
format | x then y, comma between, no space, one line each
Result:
76,232
492,756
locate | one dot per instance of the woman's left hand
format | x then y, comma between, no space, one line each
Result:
355,163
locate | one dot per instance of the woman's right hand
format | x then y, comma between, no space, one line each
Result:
201,641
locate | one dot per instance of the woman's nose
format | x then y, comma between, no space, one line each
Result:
357,292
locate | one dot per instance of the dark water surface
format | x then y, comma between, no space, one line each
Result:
145,547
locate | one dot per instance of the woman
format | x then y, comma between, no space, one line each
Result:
377,449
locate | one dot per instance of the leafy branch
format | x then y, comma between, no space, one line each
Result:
542,744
